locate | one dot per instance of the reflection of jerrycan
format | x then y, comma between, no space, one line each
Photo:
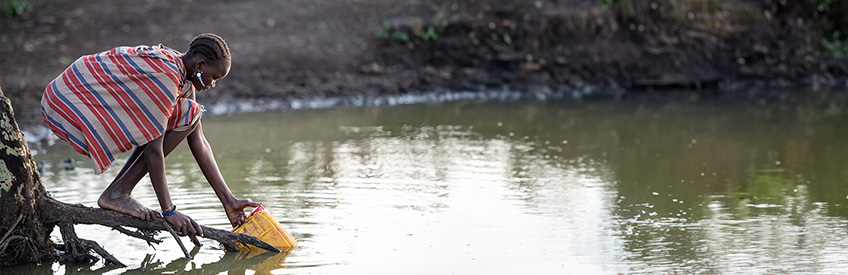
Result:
261,261
263,226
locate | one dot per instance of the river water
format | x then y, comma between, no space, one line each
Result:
595,187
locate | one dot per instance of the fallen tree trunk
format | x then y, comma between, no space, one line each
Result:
28,213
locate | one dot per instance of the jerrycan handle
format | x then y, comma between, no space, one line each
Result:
258,208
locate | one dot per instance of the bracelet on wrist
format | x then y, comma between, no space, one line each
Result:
170,212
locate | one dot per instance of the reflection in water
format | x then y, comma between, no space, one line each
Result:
542,188
257,262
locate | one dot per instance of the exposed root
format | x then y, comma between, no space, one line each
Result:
12,228
19,248
77,250
92,245
5,244
86,215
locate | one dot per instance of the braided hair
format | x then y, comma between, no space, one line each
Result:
211,46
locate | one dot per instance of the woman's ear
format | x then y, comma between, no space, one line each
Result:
198,65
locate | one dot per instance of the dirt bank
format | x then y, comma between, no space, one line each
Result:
318,49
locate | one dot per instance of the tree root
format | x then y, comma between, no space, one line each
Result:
66,215
17,248
12,228
6,242
76,249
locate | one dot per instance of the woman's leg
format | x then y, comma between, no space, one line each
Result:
118,196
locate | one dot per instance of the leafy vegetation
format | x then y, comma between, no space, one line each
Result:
831,23
830,17
13,8
836,45
430,31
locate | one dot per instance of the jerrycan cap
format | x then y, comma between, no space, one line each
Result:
257,209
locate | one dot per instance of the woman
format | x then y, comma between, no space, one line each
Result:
106,103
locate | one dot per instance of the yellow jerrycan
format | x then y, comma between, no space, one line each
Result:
263,226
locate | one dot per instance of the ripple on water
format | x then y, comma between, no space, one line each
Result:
525,187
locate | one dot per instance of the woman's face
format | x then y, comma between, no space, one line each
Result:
209,73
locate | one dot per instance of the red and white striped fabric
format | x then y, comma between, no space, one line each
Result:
106,103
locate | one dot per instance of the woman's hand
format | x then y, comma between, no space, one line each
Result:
184,225
235,211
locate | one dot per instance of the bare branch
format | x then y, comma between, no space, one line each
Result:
87,215
177,237
230,238
148,237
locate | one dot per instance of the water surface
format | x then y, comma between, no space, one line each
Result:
633,186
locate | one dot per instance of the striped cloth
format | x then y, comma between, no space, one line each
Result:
106,103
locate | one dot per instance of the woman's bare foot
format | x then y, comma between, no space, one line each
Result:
126,204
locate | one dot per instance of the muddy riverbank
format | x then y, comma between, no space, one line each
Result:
343,52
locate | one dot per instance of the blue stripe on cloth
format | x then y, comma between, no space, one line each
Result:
103,103
133,95
188,112
151,52
85,120
168,62
148,75
72,138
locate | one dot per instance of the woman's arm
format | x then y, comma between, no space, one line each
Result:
154,159
206,160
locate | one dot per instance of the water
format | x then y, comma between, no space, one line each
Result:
635,187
